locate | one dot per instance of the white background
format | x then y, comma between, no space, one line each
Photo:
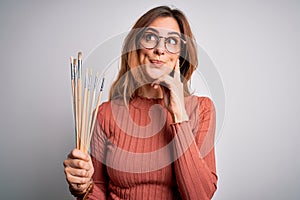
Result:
254,45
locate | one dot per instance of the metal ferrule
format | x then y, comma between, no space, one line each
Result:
102,84
79,69
72,72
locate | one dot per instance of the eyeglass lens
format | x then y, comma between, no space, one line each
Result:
150,40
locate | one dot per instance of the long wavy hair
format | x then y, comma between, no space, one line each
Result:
125,85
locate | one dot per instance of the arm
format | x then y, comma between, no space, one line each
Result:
98,152
195,168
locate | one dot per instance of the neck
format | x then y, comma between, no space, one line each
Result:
149,92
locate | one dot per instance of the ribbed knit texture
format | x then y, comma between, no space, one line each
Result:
139,153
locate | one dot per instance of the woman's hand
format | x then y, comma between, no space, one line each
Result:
176,102
79,170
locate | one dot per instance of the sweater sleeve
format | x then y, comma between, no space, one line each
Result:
98,151
194,147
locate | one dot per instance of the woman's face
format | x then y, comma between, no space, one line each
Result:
158,61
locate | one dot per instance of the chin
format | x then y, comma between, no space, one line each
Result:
156,72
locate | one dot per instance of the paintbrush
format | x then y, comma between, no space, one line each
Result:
77,117
79,88
84,113
73,75
96,110
88,110
84,116
96,83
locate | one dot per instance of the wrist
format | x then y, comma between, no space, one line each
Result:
178,118
81,193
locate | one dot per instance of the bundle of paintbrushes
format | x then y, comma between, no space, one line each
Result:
86,100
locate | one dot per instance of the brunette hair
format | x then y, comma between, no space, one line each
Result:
125,84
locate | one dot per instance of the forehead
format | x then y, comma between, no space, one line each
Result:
165,25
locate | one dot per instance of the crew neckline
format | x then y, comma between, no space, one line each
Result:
145,103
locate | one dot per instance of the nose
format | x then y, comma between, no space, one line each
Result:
160,48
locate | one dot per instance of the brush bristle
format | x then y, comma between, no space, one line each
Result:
79,56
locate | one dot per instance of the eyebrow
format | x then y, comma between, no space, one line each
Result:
169,33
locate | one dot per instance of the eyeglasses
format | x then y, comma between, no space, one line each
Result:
150,40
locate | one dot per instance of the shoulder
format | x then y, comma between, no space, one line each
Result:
203,103
104,113
104,118
206,104
109,110
106,107
103,108
199,108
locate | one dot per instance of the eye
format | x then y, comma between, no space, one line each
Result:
172,40
150,37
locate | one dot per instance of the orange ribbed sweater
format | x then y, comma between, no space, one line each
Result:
138,153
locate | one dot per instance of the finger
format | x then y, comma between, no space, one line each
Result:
78,154
77,180
80,173
77,163
177,71
155,86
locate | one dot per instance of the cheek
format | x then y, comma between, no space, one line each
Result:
143,55
173,59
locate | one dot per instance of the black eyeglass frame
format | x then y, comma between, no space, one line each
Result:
183,42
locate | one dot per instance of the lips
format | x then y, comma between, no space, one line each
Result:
157,62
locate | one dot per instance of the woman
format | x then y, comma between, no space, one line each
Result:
153,139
